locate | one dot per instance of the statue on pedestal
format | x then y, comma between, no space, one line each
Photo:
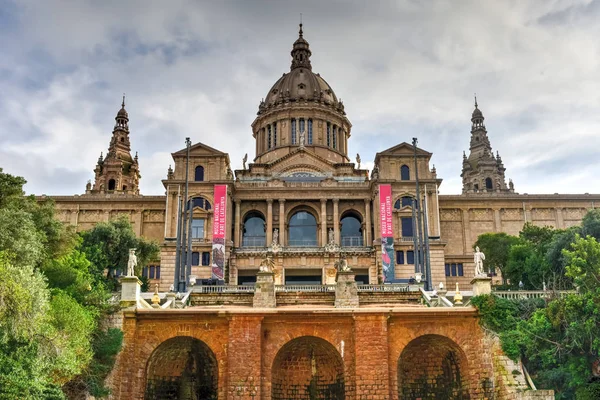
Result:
131,263
331,245
478,258
244,160
342,265
275,246
267,264
358,160
302,139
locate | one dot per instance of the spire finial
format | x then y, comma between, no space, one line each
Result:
123,103
475,100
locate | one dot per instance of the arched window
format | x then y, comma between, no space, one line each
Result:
199,173
201,202
253,234
302,230
488,183
335,133
293,131
111,184
269,142
309,138
328,134
275,134
407,201
405,173
397,205
351,230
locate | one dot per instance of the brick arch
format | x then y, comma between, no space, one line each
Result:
308,367
182,366
433,366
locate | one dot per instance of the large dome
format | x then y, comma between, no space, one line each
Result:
301,84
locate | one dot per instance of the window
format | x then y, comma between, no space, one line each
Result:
351,231
407,226
407,201
201,202
199,173
198,228
454,269
195,258
400,257
328,134
309,131
397,204
253,234
275,134
302,229
488,183
404,173
124,187
268,136
205,258
335,137
293,131
410,257
111,184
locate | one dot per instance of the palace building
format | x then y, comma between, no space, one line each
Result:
303,193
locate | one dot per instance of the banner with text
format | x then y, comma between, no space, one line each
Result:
387,232
219,228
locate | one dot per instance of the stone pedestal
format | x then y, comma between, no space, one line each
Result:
130,291
264,290
481,285
346,290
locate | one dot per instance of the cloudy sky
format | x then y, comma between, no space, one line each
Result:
199,69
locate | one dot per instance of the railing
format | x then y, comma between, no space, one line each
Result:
302,243
384,288
259,241
407,239
224,289
433,300
531,294
305,288
352,241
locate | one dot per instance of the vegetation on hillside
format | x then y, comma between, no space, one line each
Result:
557,339
54,291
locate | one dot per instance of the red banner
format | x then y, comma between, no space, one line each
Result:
219,229
385,210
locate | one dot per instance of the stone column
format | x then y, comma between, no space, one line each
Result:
466,232
323,222
236,231
368,222
336,220
497,220
244,363
372,372
560,221
269,222
281,222
264,290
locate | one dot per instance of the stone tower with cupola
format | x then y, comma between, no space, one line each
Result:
118,172
482,172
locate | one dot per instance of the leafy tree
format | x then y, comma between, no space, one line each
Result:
590,225
496,247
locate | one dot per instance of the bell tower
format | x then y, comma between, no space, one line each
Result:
118,172
482,172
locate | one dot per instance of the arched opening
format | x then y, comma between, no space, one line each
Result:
351,230
182,368
254,234
488,184
404,173
308,368
111,184
201,202
199,173
302,230
432,367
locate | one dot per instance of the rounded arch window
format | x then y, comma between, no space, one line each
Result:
351,231
199,173
111,184
254,234
488,184
201,202
302,229
405,173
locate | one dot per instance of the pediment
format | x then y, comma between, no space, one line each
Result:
199,149
404,149
299,163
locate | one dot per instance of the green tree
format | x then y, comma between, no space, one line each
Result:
496,247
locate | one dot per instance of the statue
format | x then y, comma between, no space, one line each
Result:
88,185
511,185
331,236
275,241
375,172
267,264
131,263
302,139
478,257
244,160
342,265
358,160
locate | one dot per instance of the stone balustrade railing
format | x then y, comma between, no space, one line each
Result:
305,288
531,294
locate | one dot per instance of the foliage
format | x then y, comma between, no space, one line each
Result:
590,391
107,345
496,247
107,246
